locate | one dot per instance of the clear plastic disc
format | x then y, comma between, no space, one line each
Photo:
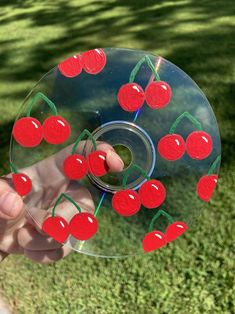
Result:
156,118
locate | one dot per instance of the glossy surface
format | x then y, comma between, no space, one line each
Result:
126,202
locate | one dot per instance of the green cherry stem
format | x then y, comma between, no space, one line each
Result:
136,69
84,133
99,205
129,171
150,64
68,199
13,168
156,216
214,164
187,115
38,96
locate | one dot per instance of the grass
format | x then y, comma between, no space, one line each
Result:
194,276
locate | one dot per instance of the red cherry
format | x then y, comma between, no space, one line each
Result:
97,163
152,193
199,145
28,132
175,230
171,146
83,226
56,130
75,167
57,228
93,61
71,67
153,240
158,94
130,97
126,202
206,186
22,183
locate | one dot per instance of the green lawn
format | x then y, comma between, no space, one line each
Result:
196,275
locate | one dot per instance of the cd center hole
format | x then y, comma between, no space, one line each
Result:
124,153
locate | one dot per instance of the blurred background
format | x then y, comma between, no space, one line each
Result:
197,274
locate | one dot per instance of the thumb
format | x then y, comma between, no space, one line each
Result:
11,204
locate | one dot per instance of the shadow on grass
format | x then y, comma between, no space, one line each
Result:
194,35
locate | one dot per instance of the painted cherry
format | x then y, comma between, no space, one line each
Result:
56,130
152,193
22,183
206,186
57,228
126,202
93,61
75,167
157,94
71,67
83,226
175,230
131,97
171,147
153,240
97,163
28,132
199,145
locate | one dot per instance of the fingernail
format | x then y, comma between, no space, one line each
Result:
9,203
114,155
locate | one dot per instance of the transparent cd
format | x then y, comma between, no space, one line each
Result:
150,114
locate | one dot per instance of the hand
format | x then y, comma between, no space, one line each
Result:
19,234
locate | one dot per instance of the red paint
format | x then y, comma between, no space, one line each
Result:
152,193
157,94
57,228
28,132
171,147
206,186
83,226
93,61
153,240
131,97
199,145
175,230
126,202
71,67
22,183
75,167
56,130
97,163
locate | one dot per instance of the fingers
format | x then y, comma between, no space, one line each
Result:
113,160
11,204
30,239
47,257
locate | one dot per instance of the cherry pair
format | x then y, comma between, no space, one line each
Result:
155,239
91,61
29,132
198,145
131,96
82,226
157,94
76,165
128,202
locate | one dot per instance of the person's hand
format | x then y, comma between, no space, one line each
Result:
19,234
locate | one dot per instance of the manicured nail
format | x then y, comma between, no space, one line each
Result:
9,203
